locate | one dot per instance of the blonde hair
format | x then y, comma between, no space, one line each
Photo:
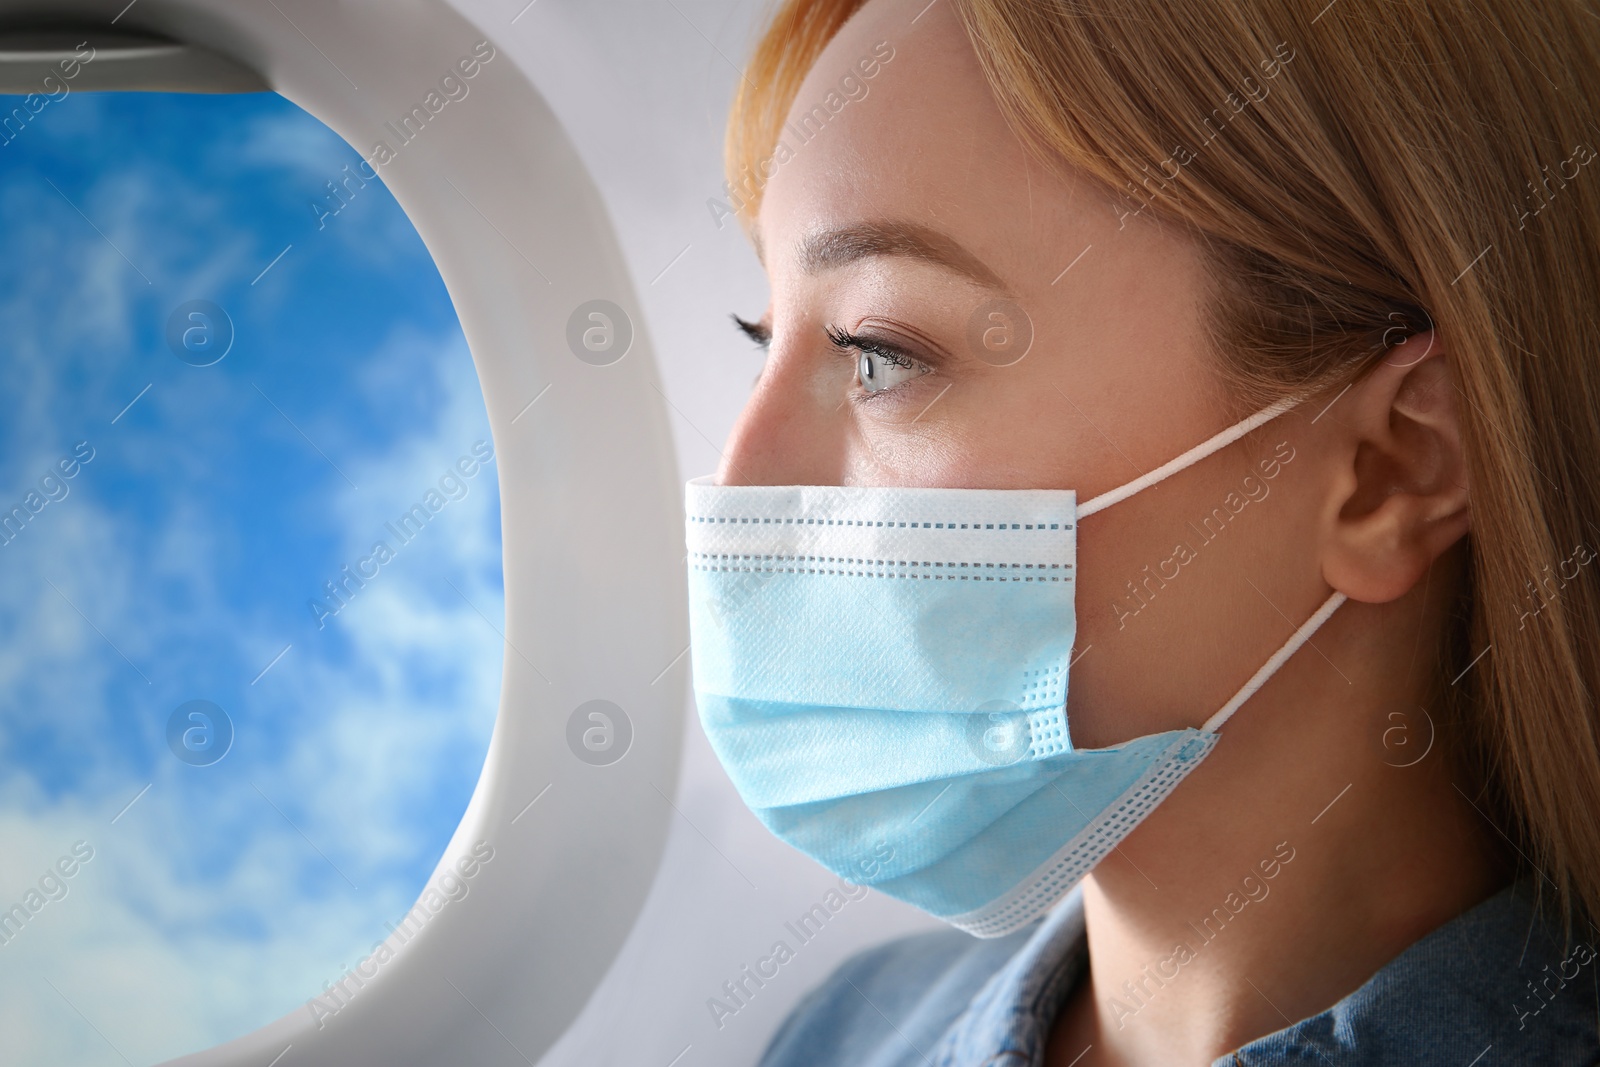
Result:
1355,175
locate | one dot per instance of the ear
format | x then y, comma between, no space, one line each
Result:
1402,498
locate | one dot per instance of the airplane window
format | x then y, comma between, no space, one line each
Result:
250,572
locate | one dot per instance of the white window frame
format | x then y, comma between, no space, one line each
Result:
595,600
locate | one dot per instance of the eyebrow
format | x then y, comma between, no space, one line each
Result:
828,249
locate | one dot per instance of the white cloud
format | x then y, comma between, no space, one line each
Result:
284,140
161,958
164,945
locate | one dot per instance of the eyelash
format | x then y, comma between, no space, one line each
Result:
845,342
843,339
754,330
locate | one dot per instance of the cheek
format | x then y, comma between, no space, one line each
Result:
894,455
976,428
1168,599
930,440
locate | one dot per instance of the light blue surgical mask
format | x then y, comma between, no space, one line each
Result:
883,673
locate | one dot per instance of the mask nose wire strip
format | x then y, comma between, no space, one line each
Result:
1269,668
1194,455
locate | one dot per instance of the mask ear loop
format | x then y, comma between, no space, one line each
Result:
1189,458
1269,668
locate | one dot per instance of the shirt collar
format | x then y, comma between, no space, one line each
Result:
1008,1023
1495,976
1494,979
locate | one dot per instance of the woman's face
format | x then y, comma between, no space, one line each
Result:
913,247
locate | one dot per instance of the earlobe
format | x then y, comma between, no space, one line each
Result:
1404,499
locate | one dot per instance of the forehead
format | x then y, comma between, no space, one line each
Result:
921,146
895,120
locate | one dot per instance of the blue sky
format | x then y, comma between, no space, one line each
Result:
180,562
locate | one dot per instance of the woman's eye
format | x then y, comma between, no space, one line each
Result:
878,370
879,367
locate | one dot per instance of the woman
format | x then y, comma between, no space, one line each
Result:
1295,301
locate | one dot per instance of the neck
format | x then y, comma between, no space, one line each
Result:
1310,848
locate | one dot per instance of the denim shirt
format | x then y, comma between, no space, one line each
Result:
1496,985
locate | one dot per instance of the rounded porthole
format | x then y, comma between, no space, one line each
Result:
251,611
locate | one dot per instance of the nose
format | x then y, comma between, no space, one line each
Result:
792,430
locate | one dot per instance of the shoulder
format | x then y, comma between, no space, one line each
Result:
889,1004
